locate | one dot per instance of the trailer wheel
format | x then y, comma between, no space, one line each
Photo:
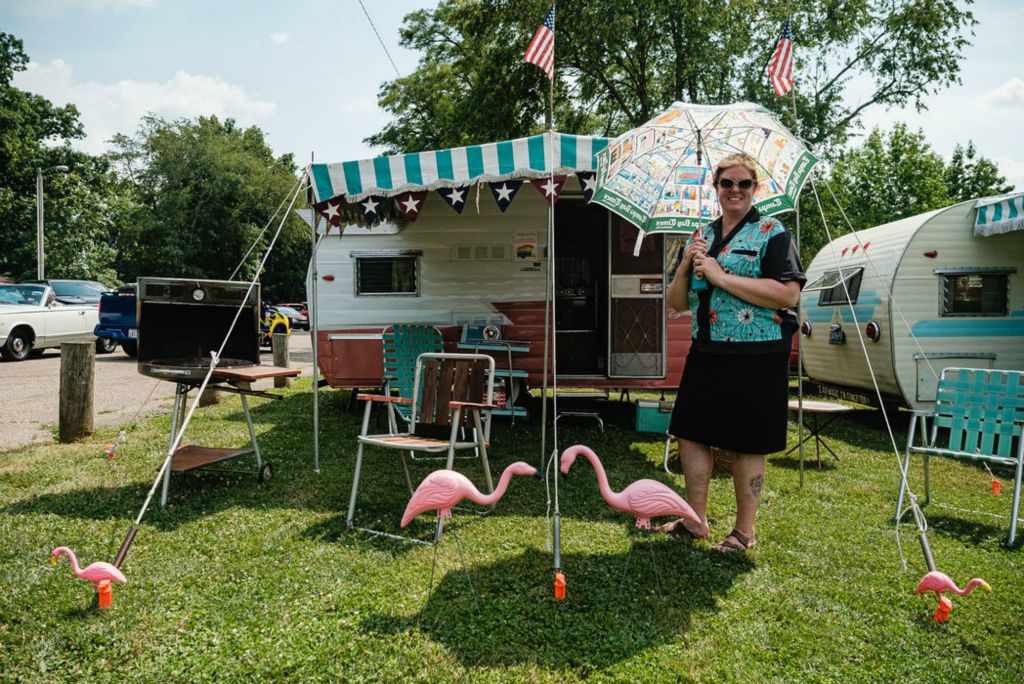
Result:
266,472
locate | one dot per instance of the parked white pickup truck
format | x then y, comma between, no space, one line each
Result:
31,319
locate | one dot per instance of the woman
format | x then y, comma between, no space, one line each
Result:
734,390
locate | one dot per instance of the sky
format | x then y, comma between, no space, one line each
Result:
307,72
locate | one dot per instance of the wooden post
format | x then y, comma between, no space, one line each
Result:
77,371
279,344
209,397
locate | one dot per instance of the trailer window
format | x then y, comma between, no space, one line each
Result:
974,294
832,289
387,275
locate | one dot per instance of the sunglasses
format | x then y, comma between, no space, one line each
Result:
727,183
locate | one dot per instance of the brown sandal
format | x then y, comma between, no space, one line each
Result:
736,541
677,528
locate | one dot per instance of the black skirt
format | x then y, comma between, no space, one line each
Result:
736,402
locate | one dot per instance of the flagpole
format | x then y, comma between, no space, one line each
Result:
799,335
557,557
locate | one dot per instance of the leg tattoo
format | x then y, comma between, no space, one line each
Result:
755,485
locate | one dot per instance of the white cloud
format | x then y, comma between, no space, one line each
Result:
358,105
279,38
1012,170
109,108
1009,95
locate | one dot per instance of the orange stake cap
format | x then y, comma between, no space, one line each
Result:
559,586
943,609
105,593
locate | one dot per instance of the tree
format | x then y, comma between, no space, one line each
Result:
29,127
206,189
891,176
968,178
619,62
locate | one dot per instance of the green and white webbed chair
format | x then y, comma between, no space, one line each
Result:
983,412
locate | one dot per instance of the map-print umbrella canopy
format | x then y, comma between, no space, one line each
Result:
659,176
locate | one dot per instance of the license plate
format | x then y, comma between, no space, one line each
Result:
133,332
837,337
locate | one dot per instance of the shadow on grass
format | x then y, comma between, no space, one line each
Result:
594,628
792,462
971,531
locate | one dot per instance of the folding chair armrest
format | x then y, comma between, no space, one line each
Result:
383,399
471,405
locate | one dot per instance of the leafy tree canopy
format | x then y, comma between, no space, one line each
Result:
206,189
619,62
33,134
891,176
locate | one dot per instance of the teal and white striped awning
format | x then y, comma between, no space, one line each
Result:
999,215
533,157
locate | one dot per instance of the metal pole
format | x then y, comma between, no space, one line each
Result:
39,223
799,334
40,248
315,328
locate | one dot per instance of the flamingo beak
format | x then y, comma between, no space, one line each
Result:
985,585
53,560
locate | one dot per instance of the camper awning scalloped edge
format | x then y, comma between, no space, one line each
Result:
534,157
998,215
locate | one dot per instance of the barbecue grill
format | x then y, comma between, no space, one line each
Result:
180,321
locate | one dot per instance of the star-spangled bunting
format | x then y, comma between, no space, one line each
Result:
330,210
780,65
541,50
455,197
504,191
411,204
587,180
371,207
549,187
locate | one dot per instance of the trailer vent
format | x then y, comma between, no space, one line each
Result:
480,253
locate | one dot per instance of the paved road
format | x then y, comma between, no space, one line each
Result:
29,392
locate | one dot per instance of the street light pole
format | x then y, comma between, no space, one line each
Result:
40,251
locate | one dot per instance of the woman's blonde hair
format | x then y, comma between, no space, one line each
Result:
738,159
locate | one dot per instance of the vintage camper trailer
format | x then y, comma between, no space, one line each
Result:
484,266
953,274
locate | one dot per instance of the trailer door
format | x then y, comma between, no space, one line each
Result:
636,311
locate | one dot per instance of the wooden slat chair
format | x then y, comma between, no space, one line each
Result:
452,391
983,411
403,344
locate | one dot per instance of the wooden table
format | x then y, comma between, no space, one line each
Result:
822,414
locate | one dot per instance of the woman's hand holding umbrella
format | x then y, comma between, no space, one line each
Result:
708,268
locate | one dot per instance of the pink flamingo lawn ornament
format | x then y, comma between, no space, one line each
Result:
644,499
939,583
100,574
441,490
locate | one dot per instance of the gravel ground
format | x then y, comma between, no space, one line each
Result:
29,392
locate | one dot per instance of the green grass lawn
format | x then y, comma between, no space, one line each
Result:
236,581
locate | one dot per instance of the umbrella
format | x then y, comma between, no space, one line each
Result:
659,176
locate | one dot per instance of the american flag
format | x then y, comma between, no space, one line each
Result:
542,48
780,66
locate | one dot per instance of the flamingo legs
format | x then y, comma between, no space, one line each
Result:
654,564
462,559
